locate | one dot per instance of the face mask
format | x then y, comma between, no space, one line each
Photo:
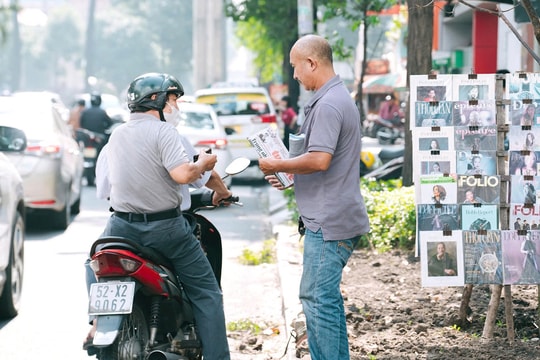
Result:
173,117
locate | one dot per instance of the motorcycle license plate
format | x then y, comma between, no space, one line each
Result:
90,152
111,298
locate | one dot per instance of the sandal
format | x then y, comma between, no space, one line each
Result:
300,335
88,345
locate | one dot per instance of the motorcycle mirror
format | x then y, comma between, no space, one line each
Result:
237,166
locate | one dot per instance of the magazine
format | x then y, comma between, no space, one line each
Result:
436,217
481,113
524,113
524,217
473,87
268,143
484,217
524,163
436,190
441,259
430,88
432,114
433,140
482,257
426,163
520,252
478,190
522,86
479,139
520,139
476,163
525,189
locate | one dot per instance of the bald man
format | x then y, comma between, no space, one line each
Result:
327,191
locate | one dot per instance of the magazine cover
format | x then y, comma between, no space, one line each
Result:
426,163
524,217
478,190
432,140
428,114
482,113
431,217
441,259
482,257
480,139
525,189
520,257
476,163
426,88
520,139
473,87
524,113
268,143
522,86
436,190
483,217
523,163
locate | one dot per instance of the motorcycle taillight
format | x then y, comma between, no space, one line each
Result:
106,264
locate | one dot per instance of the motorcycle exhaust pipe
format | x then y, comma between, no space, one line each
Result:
161,355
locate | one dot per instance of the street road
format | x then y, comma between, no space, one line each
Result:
52,322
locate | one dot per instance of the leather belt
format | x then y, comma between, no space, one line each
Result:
162,215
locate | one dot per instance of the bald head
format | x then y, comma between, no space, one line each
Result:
311,58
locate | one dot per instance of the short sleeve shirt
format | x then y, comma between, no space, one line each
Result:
140,154
331,200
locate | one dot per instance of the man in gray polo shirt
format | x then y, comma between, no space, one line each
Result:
327,190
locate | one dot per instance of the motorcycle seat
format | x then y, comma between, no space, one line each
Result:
117,242
388,154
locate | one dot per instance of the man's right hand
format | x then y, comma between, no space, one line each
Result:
207,160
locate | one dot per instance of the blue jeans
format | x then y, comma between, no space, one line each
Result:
174,238
321,296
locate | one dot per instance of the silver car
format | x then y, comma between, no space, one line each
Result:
52,164
200,125
12,216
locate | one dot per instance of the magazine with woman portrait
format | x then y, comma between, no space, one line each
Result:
479,139
436,190
522,86
524,113
521,261
525,189
524,163
473,87
433,140
476,163
441,259
485,189
520,139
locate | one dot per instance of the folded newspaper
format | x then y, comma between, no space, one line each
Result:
267,143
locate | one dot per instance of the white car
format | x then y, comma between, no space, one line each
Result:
243,111
12,215
200,125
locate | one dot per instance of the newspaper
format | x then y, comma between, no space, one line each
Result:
267,143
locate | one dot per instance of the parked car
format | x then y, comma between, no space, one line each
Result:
116,110
199,123
52,164
12,224
243,111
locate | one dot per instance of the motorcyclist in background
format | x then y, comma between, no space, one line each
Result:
95,118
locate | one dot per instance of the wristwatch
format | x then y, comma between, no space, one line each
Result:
488,263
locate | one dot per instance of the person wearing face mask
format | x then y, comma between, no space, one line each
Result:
146,168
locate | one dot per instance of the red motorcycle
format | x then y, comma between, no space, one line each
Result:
141,308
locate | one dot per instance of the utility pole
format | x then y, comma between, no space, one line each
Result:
305,26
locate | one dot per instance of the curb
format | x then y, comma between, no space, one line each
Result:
289,261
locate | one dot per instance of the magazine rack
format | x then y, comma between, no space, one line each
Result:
431,120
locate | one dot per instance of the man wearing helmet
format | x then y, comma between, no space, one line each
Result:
147,167
95,118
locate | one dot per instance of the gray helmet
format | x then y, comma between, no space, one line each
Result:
144,86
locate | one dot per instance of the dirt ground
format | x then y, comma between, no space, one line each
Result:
390,316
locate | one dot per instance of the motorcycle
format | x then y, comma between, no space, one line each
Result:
391,130
141,309
92,144
386,165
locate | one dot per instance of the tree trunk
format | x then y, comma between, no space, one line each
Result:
90,48
419,46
